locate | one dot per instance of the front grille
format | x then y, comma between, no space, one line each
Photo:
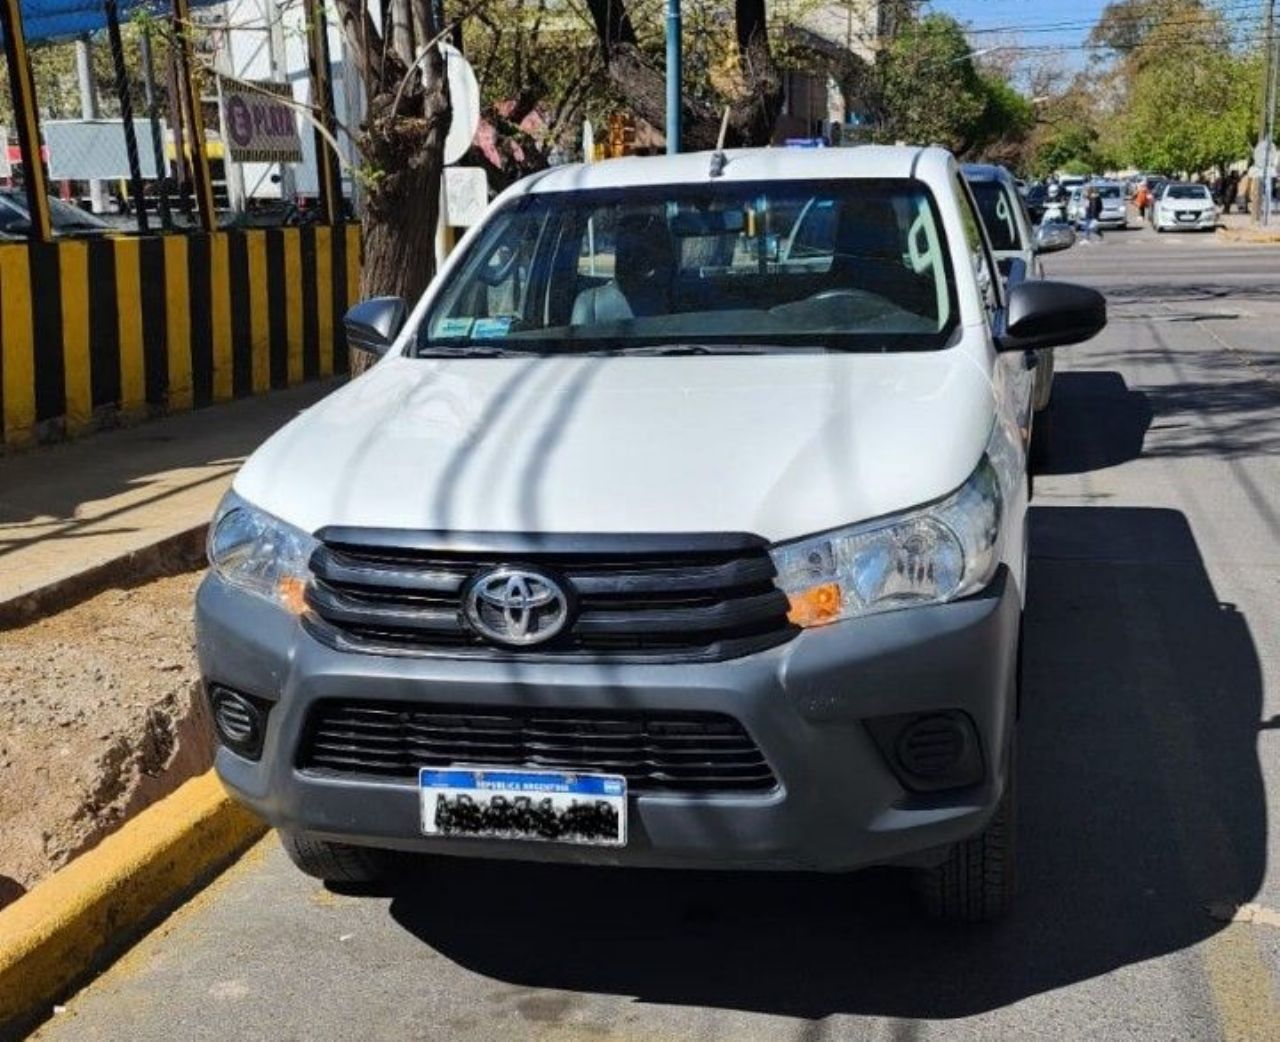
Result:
694,598
691,752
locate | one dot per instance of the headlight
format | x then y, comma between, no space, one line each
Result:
259,553
926,556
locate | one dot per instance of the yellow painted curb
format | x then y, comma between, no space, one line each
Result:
70,925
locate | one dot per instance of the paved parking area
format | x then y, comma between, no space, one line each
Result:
1150,775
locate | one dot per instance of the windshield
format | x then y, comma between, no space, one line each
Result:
15,217
1109,191
998,215
852,265
1187,192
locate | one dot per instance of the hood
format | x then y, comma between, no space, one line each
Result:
776,445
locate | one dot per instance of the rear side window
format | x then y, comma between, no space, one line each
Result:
998,215
983,266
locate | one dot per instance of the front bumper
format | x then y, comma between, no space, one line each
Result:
838,804
1172,224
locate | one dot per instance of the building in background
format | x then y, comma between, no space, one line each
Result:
836,45
266,41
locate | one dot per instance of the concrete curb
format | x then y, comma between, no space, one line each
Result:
72,924
1251,236
172,555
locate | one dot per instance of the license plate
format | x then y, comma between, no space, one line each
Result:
541,806
1188,216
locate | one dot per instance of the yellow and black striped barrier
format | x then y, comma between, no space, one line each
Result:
94,332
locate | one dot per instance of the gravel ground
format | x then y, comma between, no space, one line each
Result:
97,719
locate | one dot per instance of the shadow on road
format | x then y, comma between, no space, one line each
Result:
1098,422
1141,804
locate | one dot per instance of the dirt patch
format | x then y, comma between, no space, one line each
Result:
100,715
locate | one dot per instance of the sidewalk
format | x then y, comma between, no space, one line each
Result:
68,508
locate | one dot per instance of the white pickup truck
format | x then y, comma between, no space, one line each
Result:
662,534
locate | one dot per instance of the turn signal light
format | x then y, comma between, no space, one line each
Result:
293,594
816,606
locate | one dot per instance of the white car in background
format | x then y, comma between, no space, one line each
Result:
1076,206
1184,207
1114,213
1018,247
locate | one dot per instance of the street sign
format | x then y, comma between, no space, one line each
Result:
262,125
5,169
466,195
94,149
464,98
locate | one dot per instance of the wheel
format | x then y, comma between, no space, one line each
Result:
976,882
334,862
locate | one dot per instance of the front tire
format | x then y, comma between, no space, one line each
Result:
976,882
334,862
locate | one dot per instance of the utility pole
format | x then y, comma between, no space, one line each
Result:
1270,91
674,84
89,110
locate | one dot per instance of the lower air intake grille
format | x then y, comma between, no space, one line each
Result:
656,752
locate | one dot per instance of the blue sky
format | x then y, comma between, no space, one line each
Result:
1054,23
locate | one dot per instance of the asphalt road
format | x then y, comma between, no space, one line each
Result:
1150,757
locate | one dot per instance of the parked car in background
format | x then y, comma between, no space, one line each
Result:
1184,207
15,217
1114,206
1155,185
513,593
1036,198
1018,246
1071,182
1076,206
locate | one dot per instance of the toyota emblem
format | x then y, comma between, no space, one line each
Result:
516,607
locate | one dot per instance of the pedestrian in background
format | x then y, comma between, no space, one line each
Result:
1230,189
1141,198
1092,214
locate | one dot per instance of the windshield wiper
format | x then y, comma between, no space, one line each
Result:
469,351
670,350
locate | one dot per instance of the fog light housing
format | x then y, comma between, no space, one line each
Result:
239,720
929,752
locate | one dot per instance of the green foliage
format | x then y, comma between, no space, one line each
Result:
930,90
1192,116
1176,95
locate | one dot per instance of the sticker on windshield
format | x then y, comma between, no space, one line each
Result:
454,327
488,328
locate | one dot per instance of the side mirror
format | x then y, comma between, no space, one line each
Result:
1044,314
1053,238
372,325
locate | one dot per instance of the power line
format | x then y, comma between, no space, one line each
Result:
1038,27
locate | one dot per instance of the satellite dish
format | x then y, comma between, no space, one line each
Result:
464,97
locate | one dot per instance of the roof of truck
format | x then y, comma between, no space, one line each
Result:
750,164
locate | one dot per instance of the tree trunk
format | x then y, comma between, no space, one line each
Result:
401,146
613,24
752,115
